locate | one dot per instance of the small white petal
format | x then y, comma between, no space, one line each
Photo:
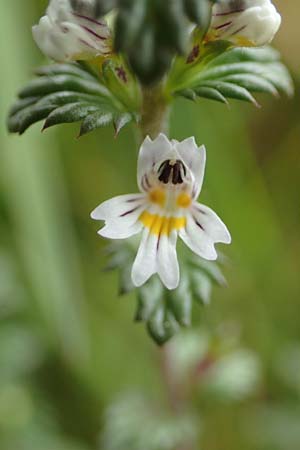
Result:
119,206
120,229
198,240
145,265
252,21
151,153
194,158
212,224
167,262
64,35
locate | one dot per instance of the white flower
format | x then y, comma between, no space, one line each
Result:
66,35
170,176
245,22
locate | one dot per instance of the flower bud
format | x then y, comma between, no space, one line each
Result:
67,33
244,22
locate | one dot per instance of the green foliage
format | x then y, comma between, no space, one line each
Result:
65,93
164,312
151,32
134,422
218,72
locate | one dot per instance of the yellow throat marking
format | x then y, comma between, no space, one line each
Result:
161,225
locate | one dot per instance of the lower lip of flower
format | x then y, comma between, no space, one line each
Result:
162,225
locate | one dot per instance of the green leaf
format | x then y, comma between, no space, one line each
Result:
231,90
225,72
65,93
149,296
19,122
121,120
211,93
252,83
165,311
180,301
162,325
73,112
96,120
201,287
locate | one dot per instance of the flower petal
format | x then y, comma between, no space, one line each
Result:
212,224
64,35
194,158
121,229
119,206
121,215
252,22
151,153
167,262
145,264
195,237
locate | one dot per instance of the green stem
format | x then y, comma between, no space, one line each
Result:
155,112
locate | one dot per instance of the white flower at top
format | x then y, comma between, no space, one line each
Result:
245,22
170,176
66,35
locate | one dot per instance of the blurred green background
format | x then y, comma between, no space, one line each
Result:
68,345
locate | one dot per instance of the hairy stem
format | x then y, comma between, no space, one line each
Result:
155,112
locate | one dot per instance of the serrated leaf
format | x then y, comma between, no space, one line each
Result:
202,286
180,301
64,69
149,296
47,85
190,94
69,93
69,113
121,120
125,283
210,268
65,97
22,104
252,83
210,93
262,55
96,120
231,90
231,73
162,325
19,122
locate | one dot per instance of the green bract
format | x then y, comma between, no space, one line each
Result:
72,92
218,71
164,312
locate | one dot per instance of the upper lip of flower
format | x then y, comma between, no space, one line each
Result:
170,176
245,22
66,34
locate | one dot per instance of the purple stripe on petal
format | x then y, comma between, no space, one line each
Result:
93,33
130,211
87,44
239,30
198,224
223,25
90,19
227,13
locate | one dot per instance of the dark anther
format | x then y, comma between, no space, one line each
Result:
171,171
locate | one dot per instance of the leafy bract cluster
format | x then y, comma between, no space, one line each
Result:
73,92
65,93
163,311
